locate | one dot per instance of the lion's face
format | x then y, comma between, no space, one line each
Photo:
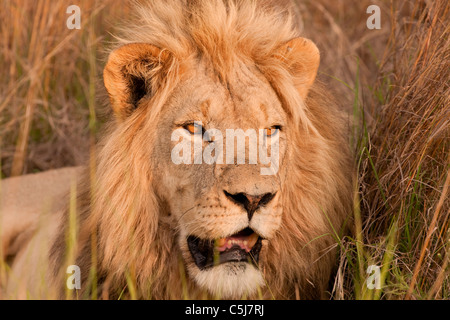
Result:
211,141
222,209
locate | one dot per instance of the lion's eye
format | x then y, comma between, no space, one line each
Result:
272,131
193,128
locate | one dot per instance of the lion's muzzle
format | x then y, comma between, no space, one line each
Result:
243,246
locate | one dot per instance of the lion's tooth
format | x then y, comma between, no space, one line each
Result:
252,240
220,242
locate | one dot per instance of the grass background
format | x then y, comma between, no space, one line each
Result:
394,80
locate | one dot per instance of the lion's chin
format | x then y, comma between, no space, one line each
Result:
231,280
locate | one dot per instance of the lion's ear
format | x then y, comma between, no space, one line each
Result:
131,73
302,59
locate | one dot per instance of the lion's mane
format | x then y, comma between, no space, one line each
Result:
123,230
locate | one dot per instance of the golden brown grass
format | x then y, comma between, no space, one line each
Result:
49,80
402,214
394,80
405,169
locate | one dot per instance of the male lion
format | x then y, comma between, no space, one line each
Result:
143,226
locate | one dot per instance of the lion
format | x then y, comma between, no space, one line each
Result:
143,226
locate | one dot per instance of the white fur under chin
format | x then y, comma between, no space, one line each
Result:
231,280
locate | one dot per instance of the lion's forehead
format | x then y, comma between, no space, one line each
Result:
245,100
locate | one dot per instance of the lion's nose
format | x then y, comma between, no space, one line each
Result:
250,202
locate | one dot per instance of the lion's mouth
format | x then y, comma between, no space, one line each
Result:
242,246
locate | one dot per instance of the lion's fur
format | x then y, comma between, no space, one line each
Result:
129,221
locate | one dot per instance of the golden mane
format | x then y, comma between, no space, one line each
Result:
123,232
222,32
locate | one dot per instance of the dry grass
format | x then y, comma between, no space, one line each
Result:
394,80
402,214
49,81
404,173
